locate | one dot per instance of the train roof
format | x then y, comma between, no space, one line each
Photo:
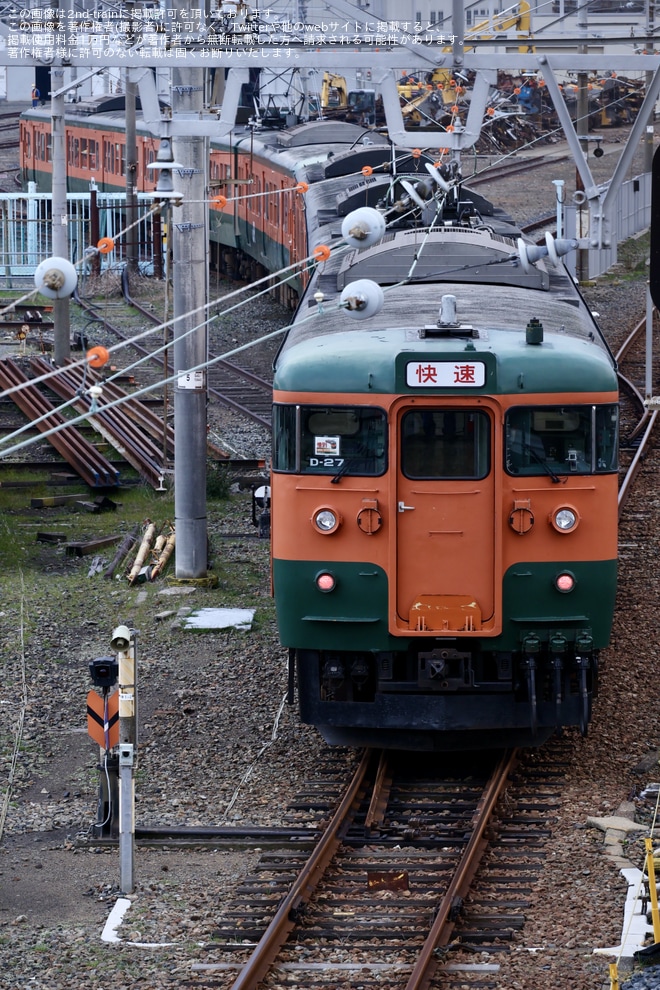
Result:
91,106
496,298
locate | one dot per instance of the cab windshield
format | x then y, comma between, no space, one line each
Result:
561,440
335,440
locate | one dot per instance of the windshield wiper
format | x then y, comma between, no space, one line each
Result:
544,464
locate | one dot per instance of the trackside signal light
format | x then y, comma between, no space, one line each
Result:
325,581
565,582
104,671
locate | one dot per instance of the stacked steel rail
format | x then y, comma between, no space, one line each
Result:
82,456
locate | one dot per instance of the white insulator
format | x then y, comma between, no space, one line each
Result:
412,192
364,227
435,173
529,254
558,248
362,299
55,278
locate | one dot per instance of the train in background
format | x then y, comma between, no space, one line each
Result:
249,237
445,439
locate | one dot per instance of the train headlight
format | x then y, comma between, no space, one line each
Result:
565,519
326,520
325,581
565,582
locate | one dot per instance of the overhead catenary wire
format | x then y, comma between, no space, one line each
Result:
147,388
291,270
319,254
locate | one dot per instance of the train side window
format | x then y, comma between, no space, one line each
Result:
445,444
285,431
561,439
93,155
335,440
607,438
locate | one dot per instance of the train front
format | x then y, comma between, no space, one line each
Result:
445,516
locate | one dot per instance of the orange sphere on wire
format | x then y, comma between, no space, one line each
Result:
220,201
367,170
98,356
105,245
302,187
322,252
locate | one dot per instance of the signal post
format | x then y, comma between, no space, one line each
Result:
123,642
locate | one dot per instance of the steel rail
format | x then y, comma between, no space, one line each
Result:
234,369
644,427
268,947
636,463
630,340
496,172
114,423
92,467
444,924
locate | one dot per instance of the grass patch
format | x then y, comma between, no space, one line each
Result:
632,259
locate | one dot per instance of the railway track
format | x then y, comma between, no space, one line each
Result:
639,421
237,388
402,880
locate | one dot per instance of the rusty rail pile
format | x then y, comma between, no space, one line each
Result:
81,455
133,429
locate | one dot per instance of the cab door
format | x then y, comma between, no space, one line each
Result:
445,515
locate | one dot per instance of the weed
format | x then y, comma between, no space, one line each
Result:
218,482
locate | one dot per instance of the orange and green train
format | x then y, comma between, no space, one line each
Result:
444,485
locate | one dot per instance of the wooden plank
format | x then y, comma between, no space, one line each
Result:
82,549
51,500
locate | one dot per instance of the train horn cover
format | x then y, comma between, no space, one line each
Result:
55,278
363,228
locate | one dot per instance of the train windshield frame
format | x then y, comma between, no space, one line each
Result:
335,440
561,440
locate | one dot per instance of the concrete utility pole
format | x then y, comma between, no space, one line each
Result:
130,94
650,31
132,236
189,239
59,218
582,131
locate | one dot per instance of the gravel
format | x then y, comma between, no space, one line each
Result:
216,746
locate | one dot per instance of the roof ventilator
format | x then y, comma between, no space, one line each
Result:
448,324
